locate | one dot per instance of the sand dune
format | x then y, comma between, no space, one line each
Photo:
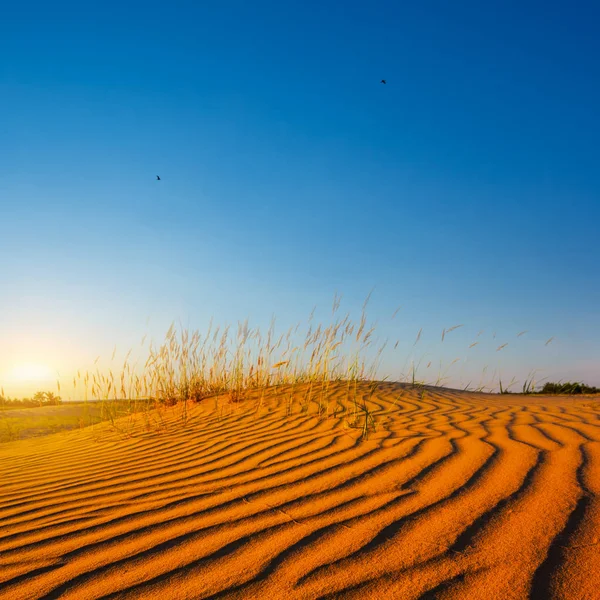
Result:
453,495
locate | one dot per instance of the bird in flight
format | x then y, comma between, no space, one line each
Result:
157,178
383,81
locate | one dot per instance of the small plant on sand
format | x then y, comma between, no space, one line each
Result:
529,384
362,417
505,390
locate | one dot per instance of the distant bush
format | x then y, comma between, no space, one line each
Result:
568,388
39,399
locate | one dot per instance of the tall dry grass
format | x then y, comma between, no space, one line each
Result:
228,364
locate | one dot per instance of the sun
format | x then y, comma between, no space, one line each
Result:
31,372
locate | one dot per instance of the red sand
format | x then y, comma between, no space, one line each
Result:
454,495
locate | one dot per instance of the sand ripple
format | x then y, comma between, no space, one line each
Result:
453,495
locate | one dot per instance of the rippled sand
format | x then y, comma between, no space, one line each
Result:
453,495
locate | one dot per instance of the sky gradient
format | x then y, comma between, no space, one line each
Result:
466,189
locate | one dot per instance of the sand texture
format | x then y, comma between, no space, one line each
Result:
453,495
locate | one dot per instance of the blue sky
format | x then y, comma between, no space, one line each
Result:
467,189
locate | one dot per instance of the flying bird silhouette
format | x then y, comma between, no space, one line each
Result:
157,178
383,81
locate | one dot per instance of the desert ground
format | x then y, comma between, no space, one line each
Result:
415,493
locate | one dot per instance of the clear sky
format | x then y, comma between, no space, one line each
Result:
466,189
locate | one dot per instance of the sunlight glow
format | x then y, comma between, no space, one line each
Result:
29,372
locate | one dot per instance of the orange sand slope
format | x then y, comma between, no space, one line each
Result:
453,495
